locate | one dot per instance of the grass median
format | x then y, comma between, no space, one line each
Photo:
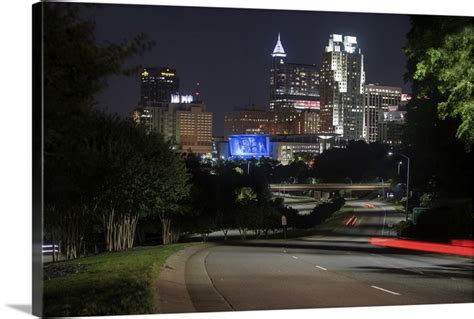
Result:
338,218
107,284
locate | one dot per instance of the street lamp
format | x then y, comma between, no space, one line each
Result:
408,181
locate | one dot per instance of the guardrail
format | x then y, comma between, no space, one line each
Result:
50,249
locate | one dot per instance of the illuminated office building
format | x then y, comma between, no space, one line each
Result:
293,86
248,120
378,100
187,126
390,128
307,122
158,84
341,87
253,120
194,129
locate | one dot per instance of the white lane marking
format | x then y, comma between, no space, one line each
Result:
354,222
322,268
390,292
294,257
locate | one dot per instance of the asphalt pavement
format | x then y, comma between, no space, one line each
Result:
338,269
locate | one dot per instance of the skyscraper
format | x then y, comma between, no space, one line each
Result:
390,127
378,100
341,87
307,122
186,125
248,120
158,84
293,86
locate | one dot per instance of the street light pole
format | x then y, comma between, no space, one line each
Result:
408,182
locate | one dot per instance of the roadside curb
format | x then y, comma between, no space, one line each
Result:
173,296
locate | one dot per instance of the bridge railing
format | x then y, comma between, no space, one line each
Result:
328,186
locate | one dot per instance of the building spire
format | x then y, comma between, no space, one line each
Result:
278,51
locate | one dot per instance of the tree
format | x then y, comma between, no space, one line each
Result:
168,189
128,154
225,199
244,210
436,136
71,179
75,67
445,68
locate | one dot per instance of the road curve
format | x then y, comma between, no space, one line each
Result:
337,270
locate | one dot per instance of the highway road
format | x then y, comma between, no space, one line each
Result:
339,269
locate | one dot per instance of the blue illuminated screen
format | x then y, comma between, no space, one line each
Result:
249,145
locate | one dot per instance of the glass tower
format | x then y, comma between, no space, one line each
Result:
342,86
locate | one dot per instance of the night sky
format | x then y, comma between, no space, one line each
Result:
228,50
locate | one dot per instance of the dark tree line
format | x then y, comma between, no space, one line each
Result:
226,196
439,130
101,173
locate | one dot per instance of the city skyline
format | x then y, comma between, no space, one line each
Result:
241,57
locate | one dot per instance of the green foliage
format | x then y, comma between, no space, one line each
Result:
443,220
405,229
426,199
109,284
169,180
318,215
246,194
438,130
446,219
239,170
74,63
451,65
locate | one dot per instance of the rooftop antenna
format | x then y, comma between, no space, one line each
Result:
197,93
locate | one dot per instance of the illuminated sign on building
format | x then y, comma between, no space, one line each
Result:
307,105
393,108
405,97
145,73
176,98
247,146
167,74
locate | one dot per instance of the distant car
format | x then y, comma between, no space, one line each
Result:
370,205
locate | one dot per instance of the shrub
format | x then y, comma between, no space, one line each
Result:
405,229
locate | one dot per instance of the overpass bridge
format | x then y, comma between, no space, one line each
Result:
328,187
